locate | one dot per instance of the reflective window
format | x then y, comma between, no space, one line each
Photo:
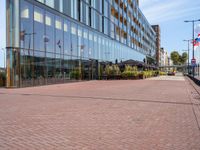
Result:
84,13
38,29
25,11
59,49
59,5
106,8
54,48
80,42
74,44
66,7
74,9
59,32
102,51
85,40
38,16
49,37
50,3
67,39
39,50
91,45
106,26
26,40
95,56
26,31
41,1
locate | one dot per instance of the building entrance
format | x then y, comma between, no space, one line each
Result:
90,69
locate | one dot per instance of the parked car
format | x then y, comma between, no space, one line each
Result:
171,73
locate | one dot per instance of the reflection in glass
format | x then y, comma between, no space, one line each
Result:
39,53
67,39
59,49
74,44
26,40
48,40
50,3
55,49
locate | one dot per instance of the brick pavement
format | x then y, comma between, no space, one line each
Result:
101,115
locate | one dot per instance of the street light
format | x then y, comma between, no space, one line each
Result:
188,54
188,61
3,49
81,55
193,21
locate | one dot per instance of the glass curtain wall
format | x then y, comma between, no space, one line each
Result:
120,20
59,50
26,44
67,50
55,49
39,51
49,44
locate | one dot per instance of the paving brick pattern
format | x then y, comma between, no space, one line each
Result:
101,115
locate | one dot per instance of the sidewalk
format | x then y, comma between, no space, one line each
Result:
101,115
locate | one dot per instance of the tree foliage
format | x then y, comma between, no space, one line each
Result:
179,59
183,58
175,57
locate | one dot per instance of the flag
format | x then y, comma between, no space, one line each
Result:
196,42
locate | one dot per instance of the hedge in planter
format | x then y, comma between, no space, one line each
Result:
112,71
130,75
2,79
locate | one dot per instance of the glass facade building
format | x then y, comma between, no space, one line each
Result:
57,41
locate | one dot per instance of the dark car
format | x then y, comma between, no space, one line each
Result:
171,73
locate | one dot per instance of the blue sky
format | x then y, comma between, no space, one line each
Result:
169,14
2,30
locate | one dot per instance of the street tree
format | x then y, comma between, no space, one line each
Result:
175,57
179,59
183,58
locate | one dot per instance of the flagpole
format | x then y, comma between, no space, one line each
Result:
188,54
193,39
193,67
193,21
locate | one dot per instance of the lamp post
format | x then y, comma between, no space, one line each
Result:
192,21
81,55
188,54
188,61
46,40
3,49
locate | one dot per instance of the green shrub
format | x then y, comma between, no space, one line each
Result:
130,72
109,70
130,68
2,79
150,73
75,74
116,70
112,70
161,73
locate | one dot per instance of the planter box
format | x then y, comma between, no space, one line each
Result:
2,82
141,77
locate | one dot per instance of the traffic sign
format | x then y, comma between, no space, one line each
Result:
193,62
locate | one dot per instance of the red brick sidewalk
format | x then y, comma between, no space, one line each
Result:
100,115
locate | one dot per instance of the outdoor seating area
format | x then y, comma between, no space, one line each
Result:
130,70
